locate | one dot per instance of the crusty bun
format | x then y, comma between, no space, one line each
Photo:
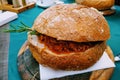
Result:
98,4
73,23
72,37
71,61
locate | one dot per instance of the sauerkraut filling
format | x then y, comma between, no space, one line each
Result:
60,46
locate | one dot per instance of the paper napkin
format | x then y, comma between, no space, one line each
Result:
49,73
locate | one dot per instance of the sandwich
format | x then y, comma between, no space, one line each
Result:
70,37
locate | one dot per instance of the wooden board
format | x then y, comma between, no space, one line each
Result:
9,7
108,12
29,68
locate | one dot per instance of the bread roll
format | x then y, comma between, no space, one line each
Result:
98,4
74,37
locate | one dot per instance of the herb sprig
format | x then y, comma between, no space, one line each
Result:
21,28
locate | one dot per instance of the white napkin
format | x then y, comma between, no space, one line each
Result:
49,73
7,16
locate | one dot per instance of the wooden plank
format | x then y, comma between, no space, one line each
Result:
9,7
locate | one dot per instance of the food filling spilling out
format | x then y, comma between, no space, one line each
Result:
60,46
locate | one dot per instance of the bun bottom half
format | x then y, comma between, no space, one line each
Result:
103,74
72,61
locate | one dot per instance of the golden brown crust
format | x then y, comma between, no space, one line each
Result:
72,22
98,4
73,61
104,74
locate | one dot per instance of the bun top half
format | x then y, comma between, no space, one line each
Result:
72,22
98,4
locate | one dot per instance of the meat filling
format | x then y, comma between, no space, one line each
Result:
60,46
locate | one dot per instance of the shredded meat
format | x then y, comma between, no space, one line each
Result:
60,46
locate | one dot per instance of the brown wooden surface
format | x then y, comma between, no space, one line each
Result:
17,10
29,68
108,12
